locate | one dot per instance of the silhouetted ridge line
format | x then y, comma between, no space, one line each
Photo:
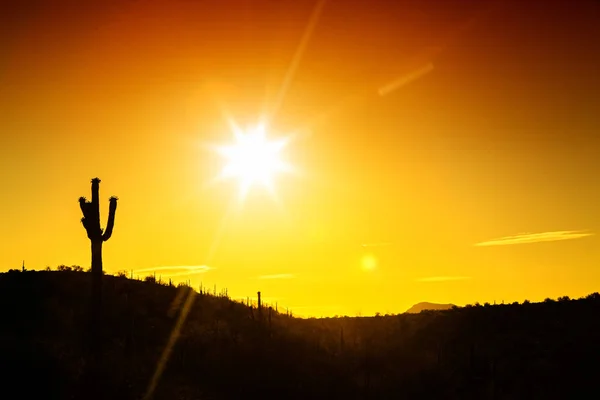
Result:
417,308
225,351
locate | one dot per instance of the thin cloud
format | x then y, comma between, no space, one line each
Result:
181,270
535,238
330,307
443,278
277,276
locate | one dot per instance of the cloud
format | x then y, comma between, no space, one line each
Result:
181,270
535,237
277,276
443,278
329,307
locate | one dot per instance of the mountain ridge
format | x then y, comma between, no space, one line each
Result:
424,305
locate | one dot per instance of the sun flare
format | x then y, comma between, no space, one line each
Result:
253,158
369,262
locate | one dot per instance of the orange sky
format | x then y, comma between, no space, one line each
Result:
493,134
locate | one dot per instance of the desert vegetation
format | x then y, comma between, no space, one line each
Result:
227,349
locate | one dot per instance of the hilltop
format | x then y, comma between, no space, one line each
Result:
417,308
227,350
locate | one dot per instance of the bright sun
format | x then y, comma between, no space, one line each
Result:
253,159
369,262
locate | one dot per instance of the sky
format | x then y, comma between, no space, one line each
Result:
441,151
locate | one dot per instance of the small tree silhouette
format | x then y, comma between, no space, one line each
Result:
91,223
593,296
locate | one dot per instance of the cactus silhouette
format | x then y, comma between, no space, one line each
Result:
91,223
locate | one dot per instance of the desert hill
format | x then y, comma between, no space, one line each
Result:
227,350
417,308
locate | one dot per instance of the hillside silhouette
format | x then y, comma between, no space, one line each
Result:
227,350
423,306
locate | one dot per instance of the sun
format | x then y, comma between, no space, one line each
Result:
369,262
253,159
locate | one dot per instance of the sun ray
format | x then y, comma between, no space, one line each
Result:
287,79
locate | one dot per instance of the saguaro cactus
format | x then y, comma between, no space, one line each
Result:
259,308
91,223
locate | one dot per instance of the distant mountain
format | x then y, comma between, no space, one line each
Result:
417,308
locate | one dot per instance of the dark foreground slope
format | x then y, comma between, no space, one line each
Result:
225,351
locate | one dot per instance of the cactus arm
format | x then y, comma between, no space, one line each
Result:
111,218
84,222
83,205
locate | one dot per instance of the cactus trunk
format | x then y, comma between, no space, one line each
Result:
96,279
259,308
